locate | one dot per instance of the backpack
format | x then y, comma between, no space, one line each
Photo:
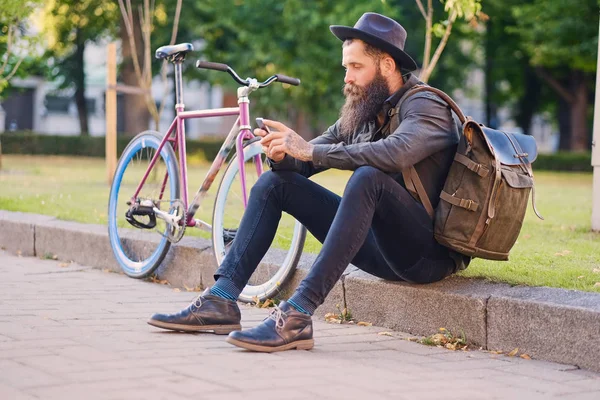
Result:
483,203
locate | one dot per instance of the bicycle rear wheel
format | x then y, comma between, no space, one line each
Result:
278,265
139,251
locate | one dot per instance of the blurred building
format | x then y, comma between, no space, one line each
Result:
39,106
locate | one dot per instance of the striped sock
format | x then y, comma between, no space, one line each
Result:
225,288
302,304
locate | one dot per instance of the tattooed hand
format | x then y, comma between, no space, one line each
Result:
282,140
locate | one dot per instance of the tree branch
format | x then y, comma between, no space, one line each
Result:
421,8
14,69
440,48
8,49
428,38
163,69
128,19
554,84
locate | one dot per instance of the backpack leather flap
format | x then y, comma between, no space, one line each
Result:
511,148
516,180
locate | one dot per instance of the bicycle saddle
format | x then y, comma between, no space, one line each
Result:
175,51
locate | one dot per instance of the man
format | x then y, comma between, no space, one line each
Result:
377,225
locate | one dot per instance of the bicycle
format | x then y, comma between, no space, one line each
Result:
150,191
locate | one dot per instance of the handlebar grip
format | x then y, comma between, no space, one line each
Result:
287,79
212,65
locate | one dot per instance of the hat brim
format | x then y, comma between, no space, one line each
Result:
407,64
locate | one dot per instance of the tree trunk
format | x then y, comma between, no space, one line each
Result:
564,124
137,116
529,102
79,79
490,109
578,111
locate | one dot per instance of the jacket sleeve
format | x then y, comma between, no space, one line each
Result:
306,168
426,128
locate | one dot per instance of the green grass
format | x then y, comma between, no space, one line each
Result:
559,252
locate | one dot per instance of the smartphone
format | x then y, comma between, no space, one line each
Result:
261,125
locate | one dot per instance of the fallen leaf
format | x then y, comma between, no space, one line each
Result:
364,323
106,270
513,353
385,333
562,253
332,318
439,339
596,270
63,265
55,257
443,329
496,352
451,346
267,303
176,289
597,284
525,356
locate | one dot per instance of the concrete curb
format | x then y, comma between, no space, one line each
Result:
547,323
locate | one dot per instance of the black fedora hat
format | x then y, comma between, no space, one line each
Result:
381,32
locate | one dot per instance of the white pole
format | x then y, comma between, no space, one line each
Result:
596,150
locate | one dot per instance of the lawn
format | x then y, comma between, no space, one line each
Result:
559,252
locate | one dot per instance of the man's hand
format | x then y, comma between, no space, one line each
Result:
282,140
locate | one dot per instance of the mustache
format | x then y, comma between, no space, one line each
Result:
350,90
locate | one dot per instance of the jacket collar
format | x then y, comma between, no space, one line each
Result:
392,101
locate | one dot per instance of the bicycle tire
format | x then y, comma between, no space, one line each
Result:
128,244
284,272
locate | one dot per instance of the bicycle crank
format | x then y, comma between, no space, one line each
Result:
175,219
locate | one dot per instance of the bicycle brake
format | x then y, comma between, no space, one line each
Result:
143,208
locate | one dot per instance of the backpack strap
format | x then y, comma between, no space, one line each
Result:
415,188
411,178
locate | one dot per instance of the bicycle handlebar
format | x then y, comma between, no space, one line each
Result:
246,82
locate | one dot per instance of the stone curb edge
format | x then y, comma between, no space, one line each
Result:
547,323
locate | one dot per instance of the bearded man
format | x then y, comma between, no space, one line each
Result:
376,225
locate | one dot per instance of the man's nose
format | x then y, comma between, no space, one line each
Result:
348,78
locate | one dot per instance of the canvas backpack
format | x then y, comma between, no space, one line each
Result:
485,195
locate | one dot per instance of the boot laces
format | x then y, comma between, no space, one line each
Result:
197,302
278,315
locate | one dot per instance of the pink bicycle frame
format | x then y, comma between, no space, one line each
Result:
240,131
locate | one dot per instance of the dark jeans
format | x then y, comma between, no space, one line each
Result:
376,225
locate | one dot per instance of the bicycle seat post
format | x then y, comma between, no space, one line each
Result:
179,106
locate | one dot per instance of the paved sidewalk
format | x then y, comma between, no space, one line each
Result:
72,332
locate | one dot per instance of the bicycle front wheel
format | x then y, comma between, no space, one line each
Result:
140,249
278,265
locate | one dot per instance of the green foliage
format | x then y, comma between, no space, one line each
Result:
560,32
16,43
71,24
297,42
34,144
564,161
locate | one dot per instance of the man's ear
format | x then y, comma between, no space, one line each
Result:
387,66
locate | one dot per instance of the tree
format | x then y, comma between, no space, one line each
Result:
470,10
70,25
298,42
137,53
561,39
14,42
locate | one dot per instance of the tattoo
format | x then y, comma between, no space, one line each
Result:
301,149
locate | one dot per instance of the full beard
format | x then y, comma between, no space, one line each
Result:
362,104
